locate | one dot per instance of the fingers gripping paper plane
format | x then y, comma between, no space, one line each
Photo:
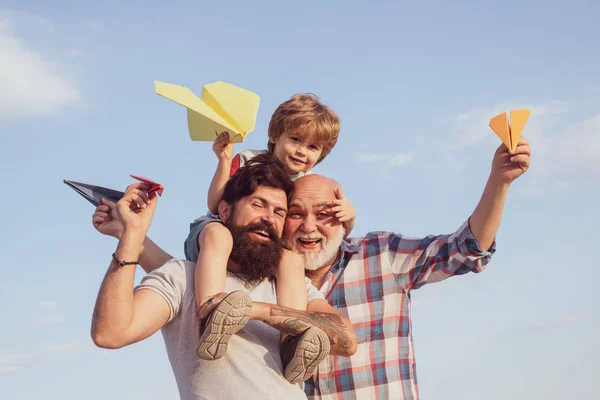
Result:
510,132
154,187
222,107
93,193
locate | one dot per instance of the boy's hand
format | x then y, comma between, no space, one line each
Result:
507,167
343,209
223,148
207,305
106,220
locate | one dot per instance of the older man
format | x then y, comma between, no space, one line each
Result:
369,279
165,298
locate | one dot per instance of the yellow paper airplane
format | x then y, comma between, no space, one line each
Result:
510,133
222,107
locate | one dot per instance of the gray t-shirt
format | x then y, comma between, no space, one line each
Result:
250,369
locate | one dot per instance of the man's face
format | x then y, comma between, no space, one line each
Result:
256,224
311,228
266,204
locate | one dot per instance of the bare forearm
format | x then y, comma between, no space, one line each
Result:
486,218
114,306
152,256
217,185
338,329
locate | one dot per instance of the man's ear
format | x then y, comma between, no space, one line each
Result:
224,210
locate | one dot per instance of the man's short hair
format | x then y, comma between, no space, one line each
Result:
262,170
304,115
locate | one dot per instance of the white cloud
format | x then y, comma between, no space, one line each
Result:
8,20
532,191
48,304
94,24
13,362
6,290
30,83
11,358
471,127
579,146
391,160
556,321
64,348
75,53
49,320
558,146
569,149
13,368
385,160
71,348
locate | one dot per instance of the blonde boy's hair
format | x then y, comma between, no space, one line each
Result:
304,115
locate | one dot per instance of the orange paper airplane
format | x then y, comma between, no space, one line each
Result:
510,133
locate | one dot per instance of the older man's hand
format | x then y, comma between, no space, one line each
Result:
507,166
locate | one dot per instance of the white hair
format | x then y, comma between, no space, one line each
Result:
324,254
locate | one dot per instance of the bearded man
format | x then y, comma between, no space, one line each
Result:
252,367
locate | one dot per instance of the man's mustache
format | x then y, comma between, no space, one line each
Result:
261,226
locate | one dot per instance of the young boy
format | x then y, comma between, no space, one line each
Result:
302,132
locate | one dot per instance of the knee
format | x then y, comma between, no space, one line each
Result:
215,235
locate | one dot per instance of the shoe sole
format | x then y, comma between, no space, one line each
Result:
312,348
231,315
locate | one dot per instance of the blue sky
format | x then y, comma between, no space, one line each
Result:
415,86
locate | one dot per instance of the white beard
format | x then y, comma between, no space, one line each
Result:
321,256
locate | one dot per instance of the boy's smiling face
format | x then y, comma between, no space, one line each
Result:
298,153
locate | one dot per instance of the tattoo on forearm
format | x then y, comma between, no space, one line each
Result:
297,322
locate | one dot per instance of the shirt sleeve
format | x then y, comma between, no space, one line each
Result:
235,165
169,282
312,293
419,261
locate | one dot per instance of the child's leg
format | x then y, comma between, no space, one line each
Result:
291,289
214,247
302,354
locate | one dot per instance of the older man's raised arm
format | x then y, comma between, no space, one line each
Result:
420,261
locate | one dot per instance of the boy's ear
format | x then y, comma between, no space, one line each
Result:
224,210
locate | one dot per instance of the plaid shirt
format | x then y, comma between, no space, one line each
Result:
371,284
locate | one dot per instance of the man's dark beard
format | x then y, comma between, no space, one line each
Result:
256,258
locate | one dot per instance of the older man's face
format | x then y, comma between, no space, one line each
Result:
311,228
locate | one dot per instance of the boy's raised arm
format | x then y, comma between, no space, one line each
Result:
344,211
223,148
